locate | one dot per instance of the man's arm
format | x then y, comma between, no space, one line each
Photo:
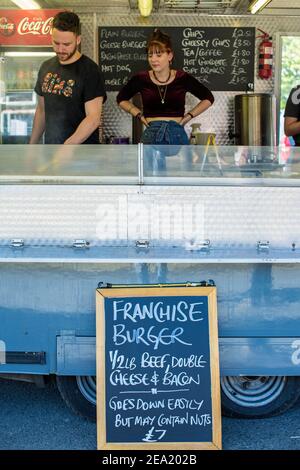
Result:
38,127
291,126
93,109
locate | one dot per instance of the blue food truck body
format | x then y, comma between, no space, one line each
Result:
63,233
50,322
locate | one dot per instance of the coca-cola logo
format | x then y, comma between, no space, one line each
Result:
7,26
35,26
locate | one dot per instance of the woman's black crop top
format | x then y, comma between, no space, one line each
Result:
174,98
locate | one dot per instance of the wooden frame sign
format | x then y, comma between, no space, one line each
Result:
158,384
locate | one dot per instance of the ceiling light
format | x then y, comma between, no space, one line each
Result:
27,4
145,7
258,5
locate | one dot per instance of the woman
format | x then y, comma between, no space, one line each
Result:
163,91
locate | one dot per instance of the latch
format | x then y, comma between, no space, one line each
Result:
144,244
81,244
209,283
263,246
198,245
17,243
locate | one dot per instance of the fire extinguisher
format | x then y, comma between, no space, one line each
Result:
265,56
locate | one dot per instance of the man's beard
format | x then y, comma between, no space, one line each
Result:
66,57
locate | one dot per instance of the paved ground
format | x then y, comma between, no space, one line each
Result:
33,418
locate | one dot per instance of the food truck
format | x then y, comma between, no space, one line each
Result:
222,211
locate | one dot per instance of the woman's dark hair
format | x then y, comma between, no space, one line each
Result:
159,40
67,21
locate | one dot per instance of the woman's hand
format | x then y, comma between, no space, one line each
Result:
186,118
144,121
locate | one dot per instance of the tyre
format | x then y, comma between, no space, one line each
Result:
79,393
258,396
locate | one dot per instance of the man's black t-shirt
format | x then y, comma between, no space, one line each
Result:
292,109
66,89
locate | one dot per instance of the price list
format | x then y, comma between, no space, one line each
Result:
220,58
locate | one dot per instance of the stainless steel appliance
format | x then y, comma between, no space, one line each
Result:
254,119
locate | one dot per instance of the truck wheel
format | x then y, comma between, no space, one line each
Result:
79,393
258,396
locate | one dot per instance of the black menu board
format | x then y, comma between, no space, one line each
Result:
157,368
220,58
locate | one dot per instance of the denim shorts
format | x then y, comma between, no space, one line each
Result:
165,133
164,139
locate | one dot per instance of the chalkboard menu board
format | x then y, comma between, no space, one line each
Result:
157,368
221,58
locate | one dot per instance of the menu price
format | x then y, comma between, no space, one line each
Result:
229,53
221,58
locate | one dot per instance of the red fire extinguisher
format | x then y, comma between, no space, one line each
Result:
265,56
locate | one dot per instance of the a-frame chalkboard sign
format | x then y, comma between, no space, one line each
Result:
158,383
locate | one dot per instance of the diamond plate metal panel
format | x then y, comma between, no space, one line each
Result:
239,216
155,217
42,215
116,122
88,22
167,216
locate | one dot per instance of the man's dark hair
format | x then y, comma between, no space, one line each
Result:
67,21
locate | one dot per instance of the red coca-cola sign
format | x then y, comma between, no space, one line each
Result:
26,27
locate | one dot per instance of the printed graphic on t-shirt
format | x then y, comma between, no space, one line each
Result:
54,85
296,96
